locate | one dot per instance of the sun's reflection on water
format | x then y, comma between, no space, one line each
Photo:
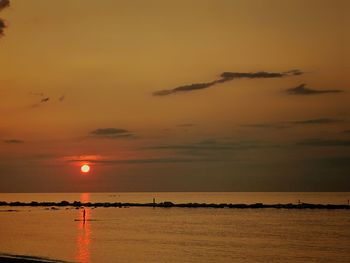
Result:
84,231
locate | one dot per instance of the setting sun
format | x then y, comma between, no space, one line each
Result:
85,168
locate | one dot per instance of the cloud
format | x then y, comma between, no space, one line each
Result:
62,98
143,161
317,121
227,76
287,124
303,90
211,145
14,141
98,159
324,142
261,74
42,101
277,125
112,133
3,4
346,131
186,125
191,87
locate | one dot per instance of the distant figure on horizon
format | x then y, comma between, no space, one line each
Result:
84,214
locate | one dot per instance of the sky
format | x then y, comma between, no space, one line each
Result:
195,95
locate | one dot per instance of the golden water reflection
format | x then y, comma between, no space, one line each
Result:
84,231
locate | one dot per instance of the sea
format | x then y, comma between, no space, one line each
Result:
147,234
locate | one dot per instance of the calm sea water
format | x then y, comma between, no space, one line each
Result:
140,234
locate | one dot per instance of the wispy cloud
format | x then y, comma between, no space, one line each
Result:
288,124
227,76
212,145
324,142
276,125
42,101
186,125
191,87
111,133
13,141
261,74
62,98
98,159
303,90
44,98
3,4
144,161
41,94
317,121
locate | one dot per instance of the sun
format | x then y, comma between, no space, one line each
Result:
85,168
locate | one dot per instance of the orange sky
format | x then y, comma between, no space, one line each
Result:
78,79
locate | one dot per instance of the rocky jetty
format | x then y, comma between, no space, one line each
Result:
169,204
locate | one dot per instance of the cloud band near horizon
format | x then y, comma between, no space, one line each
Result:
227,76
303,90
3,4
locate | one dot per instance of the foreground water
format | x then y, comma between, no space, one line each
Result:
178,234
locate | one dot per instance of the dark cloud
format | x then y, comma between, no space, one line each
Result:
3,4
227,76
277,125
303,90
287,124
43,100
211,145
191,87
143,161
295,72
324,142
14,141
317,121
346,131
261,74
2,26
112,133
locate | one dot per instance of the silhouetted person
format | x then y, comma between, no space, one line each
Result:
84,214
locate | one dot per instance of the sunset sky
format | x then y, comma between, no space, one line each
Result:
150,95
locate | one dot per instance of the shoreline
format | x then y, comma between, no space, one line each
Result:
168,204
26,259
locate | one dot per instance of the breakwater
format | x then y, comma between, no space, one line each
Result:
169,204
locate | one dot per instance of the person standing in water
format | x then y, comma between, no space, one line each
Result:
84,215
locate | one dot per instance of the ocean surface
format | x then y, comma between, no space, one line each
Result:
145,234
